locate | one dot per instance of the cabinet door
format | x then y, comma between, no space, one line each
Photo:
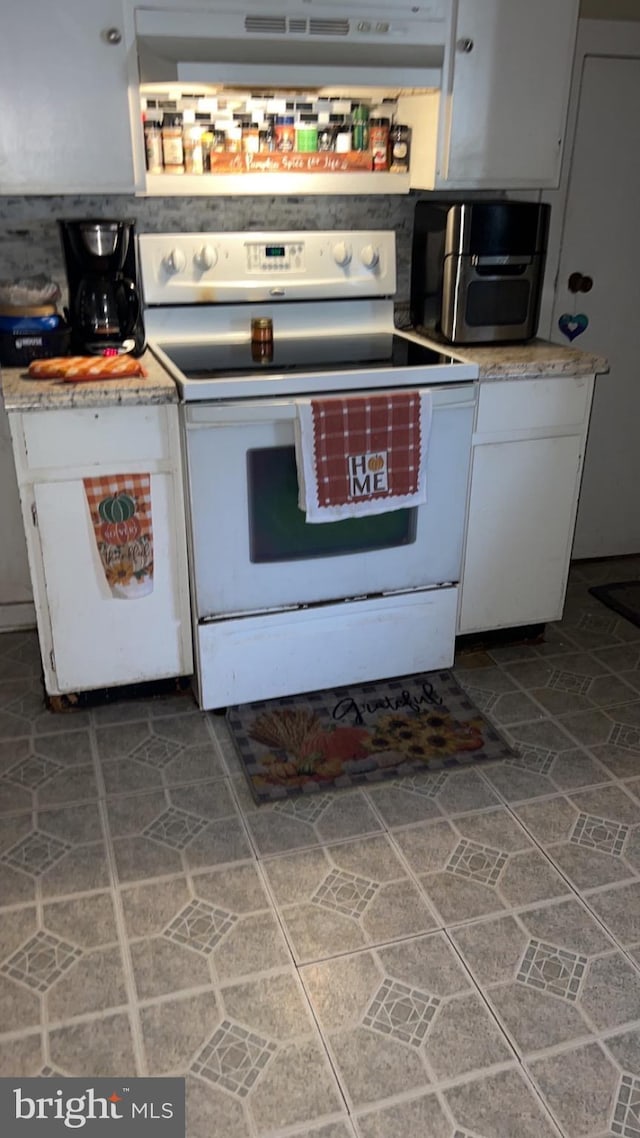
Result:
98,640
511,73
520,531
66,126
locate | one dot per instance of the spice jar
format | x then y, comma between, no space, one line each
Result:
285,133
192,144
262,339
326,137
343,138
307,135
266,136
360,119
234,138
172,148
379,142
250,138
153,146
399,148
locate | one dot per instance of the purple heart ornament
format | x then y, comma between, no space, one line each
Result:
572,326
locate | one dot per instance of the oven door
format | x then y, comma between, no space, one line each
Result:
251,548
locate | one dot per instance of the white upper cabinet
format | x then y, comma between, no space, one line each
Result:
65,125
483,85
503,114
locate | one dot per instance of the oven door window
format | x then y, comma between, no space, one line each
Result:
277,527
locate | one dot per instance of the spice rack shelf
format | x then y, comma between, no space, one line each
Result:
193,185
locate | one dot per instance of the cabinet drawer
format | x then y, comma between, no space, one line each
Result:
95,436
533,404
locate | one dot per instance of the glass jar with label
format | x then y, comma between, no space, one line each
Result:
343,138
250,138
360,120
307,134
234,138
326,137
172,148
266,136
379,143
285,133
399,148
153,146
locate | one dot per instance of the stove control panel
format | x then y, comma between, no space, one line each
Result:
215,268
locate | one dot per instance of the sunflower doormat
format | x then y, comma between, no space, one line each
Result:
363,733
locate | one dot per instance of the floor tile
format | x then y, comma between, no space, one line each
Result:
551,975
582,1089
411,1010
161,751
165,831
619,909
94,1048
593,836
254,1048
220,927
478,864
56,849
306,820
22,1057
342,897
499,1106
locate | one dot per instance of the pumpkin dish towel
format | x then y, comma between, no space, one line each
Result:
362,454
120,508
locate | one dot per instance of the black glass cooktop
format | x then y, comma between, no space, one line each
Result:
317,353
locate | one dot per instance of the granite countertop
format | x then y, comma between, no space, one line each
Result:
22,394
533,360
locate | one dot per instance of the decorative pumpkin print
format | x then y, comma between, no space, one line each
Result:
375,463
117,508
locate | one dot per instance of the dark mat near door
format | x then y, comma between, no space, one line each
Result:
623,598
362,733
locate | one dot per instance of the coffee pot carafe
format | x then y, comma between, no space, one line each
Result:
104,312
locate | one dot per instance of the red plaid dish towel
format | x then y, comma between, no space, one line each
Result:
362,454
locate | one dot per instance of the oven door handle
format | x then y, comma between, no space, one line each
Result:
202,415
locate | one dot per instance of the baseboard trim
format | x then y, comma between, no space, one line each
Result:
17,616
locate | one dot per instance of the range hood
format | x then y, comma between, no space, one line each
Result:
305,44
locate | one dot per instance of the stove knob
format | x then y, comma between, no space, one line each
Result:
175,261
369,256
342,253
206,258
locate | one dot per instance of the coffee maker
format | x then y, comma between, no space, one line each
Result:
104,311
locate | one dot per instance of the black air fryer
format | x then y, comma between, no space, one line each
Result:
477,270
105,312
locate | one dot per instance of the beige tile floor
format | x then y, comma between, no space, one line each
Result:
456,955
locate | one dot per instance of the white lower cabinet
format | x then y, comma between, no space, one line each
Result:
89,638
525,481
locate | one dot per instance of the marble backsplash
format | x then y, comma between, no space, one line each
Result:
30,243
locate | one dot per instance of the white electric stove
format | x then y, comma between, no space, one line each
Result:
281,606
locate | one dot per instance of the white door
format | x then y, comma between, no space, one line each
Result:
602,240
100,640
511,78
251,547
523,497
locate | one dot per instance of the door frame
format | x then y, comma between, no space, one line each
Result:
610,38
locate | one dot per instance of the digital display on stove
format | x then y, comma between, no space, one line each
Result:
301,354
274,251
